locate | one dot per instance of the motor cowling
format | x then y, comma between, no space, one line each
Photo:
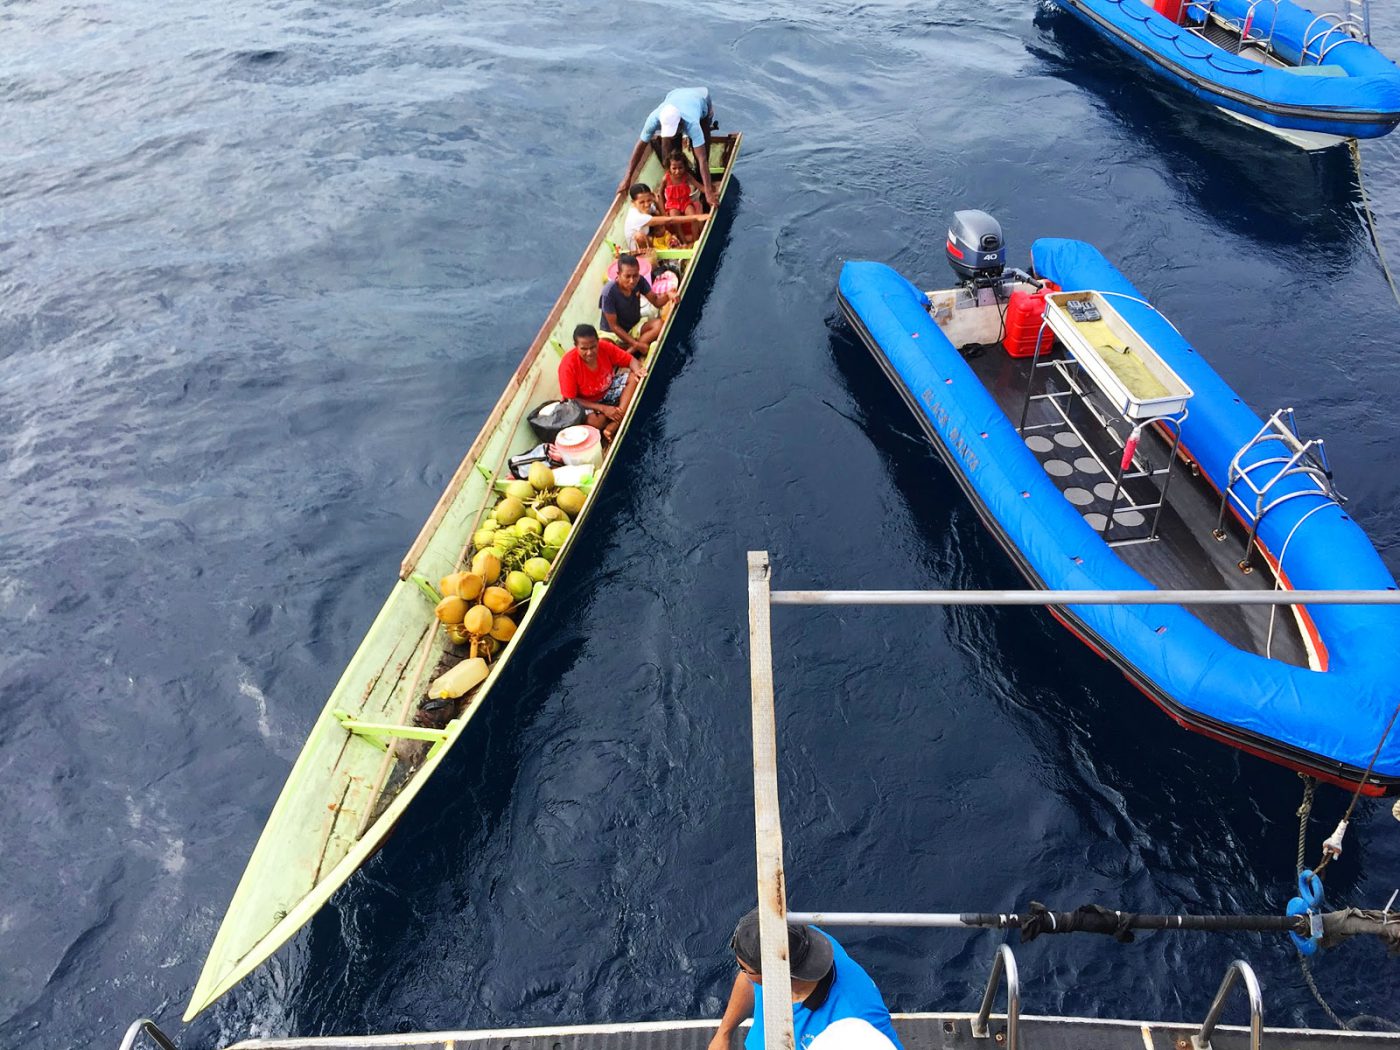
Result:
975,248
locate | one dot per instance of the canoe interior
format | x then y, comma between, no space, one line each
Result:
345,791
1185,554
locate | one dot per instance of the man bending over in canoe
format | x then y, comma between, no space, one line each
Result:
683,109
600,376
621,306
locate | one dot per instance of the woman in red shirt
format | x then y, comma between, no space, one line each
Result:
600,376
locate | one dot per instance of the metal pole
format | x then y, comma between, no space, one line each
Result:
1094,597
1066,921
768,829
933,920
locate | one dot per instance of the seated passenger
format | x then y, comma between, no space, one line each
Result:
678,190
637,228
621,306
643,229
600,376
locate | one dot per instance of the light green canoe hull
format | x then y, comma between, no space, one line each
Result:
334,811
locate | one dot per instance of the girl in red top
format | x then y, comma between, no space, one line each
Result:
600,376
677,187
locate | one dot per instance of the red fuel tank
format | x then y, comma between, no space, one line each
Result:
1024,314
1172,9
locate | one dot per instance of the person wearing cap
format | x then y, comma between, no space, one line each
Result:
687,109
828,986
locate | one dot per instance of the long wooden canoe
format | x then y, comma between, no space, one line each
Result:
347,789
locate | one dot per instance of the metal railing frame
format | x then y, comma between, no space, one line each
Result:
1004,964
1239,969
771,879
145,1026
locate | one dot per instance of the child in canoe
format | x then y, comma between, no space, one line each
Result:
678,190
642,228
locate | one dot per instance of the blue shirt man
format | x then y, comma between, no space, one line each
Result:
687,109
683,107
827,984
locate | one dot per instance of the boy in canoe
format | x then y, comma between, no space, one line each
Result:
643,229
621,307
600,376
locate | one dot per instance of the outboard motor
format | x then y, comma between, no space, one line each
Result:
976,251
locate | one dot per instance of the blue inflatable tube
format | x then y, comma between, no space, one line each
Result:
1353,92
1326,723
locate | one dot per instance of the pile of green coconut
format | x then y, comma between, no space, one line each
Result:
513,548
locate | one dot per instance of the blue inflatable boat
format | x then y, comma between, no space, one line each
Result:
1104,453
1313,79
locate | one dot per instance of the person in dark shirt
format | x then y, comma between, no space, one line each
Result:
621,306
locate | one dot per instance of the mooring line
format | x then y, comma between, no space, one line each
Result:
1355,147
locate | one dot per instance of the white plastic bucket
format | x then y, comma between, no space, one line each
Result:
579,445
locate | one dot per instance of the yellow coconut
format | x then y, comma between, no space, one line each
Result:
451,610
550,514
570,501
502,628
470,585
509,511
451,585
497,599
541,477
477,621
487,565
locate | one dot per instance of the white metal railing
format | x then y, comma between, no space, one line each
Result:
145,1026
768,838
1239,970
1086,597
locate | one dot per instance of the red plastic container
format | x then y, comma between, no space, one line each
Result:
1024,314
1173,9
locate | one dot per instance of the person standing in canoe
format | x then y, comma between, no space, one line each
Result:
621,307
601,377
827,986
689,110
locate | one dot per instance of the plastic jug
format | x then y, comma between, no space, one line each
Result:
579,445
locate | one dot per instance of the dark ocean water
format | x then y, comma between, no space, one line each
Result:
266,268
